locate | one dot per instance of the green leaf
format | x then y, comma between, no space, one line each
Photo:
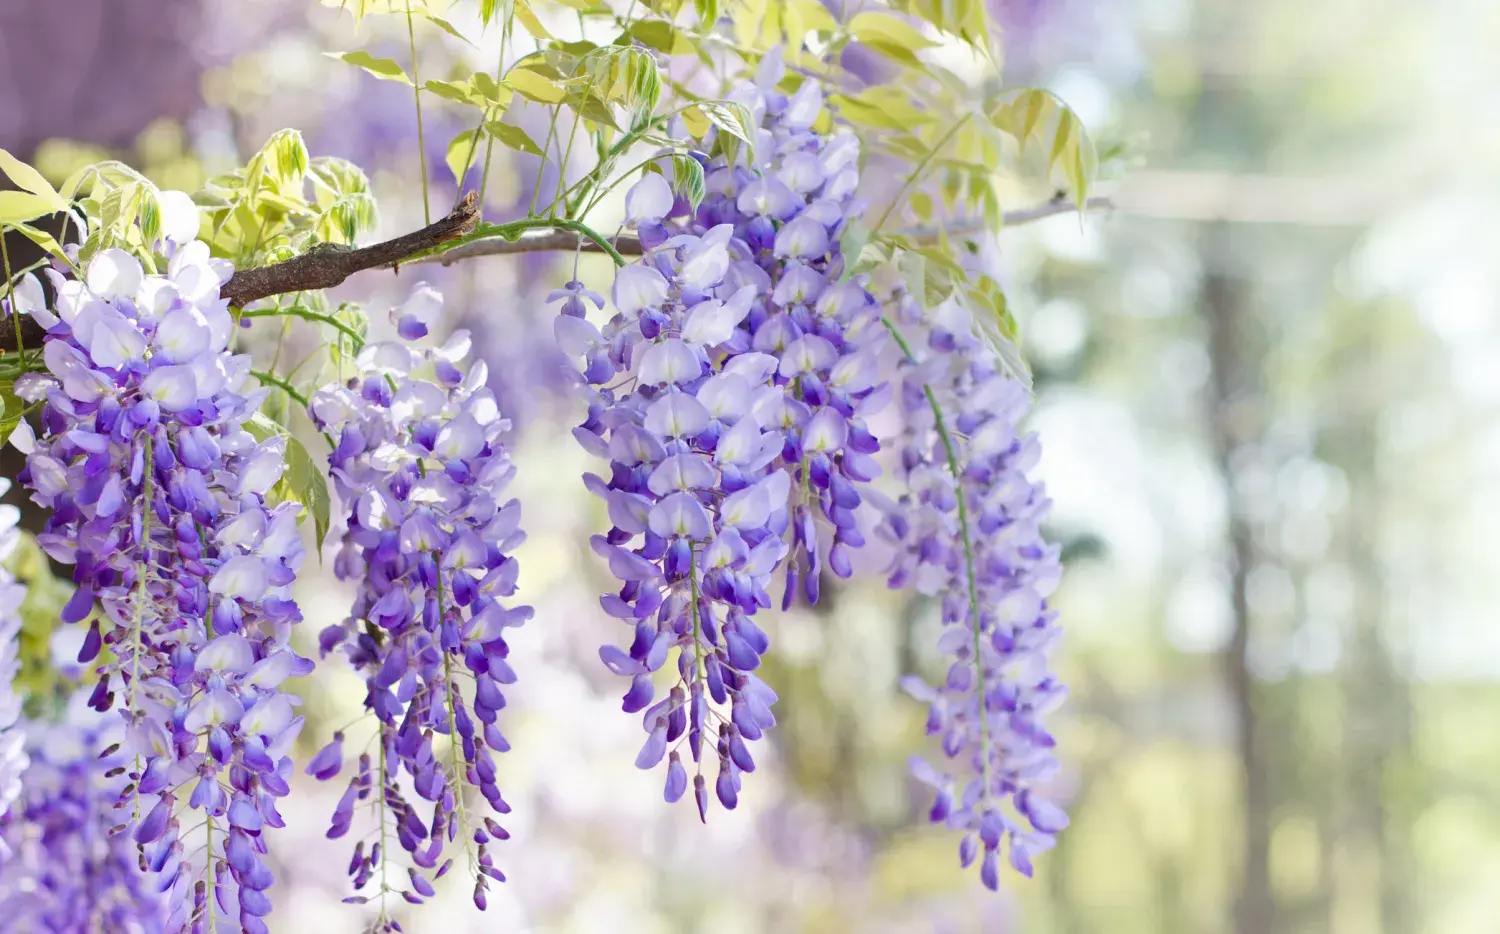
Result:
29,179
512,137
489,92
303,481
708,12
44,240
687,178
487,11
460,153
450,90
534,87
529,21
20,206
654,34
733,118
445,26
386,69
851,244
885,28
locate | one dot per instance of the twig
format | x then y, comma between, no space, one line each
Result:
546,241
631,246
327,266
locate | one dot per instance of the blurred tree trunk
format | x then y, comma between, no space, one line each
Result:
1233,382
1377,699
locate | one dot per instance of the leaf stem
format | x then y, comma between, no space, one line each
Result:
307,314
416,81
286,387
920,170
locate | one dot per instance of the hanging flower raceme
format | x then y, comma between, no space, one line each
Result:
698,509
158,497
62,869
421,469
789,211
967,531
12,748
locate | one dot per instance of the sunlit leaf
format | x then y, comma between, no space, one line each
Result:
512,137
461,153
687,178
450,90
303,481
30,180
534,87
529,21
445,26
387,69
19,206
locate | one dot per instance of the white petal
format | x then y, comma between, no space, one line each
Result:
179,216
113,273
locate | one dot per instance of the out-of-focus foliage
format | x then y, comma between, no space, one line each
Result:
39,680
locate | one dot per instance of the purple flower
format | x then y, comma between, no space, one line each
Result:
967,530
12,594
61,869
697,508
421,469
157,493
820,331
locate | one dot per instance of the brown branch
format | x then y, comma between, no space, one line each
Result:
327,266
539,242
562,240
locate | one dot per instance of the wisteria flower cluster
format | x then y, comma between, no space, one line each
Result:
60,867
158,497
12,743
420,464
967,531
728,393
728,386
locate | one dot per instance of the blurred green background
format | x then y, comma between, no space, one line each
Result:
1269,397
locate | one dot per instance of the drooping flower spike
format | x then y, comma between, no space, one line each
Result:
60,867
12,595
421,469
158,497
967,530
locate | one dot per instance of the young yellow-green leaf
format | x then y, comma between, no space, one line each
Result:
921,205
696,121
851,244
487,11
882,107
461,154
654,34
450,90
482,85
888,30
445,26
29,179
286,157
303,481
529,21
44,240
687,178
19,206
534,87
814,16
1074,152
513,137
386,69
708,12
